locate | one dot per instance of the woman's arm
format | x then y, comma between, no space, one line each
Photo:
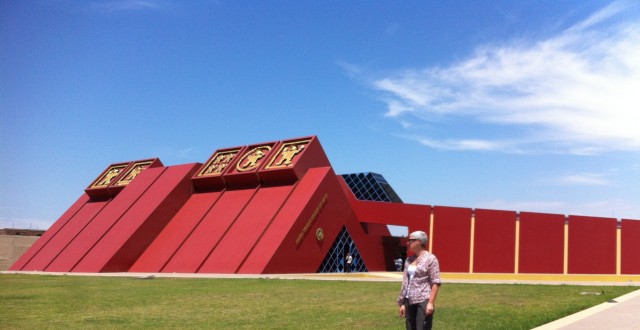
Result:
432,298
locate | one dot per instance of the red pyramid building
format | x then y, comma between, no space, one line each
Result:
278,207
275,207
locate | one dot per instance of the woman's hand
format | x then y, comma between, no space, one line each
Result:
402,312
430,309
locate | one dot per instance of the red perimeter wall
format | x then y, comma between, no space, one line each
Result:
541,243
592,245
452,238
494,245
630,246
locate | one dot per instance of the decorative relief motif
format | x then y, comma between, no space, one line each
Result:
288,151
218,163
106,179
252,159
132,173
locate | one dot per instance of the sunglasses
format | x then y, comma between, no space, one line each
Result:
413,240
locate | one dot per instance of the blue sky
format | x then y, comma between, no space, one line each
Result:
516,105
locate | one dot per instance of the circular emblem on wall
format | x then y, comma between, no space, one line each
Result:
252,159
319,234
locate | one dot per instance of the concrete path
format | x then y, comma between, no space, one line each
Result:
619,313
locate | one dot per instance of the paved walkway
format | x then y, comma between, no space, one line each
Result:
619,313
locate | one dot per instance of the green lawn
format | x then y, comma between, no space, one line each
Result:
74,302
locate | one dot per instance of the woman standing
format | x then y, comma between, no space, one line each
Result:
420,284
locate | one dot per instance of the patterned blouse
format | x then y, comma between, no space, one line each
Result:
427,274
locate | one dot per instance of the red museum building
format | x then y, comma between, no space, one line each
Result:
278,207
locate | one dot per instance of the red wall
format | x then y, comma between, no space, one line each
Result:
541,243
239,240
125,241
197,247
300,250
65,235
100,225
156,256
452,238
415,217
283,229
296,225
630,246
494,241
48,235
592,245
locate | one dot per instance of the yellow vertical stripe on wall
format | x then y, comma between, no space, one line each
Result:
431,217
566,248
618,250
473,233
517,261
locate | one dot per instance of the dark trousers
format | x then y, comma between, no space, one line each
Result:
347,267
416,316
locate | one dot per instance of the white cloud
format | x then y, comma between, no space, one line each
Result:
578,91
126,5
392,29
589,179
185,153
462,144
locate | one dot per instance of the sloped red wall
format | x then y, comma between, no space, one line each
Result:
65,235
125,241
156,256
101,223
47,238
205,237
282,229
300,243
239,240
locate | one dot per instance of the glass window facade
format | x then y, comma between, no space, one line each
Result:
334,261
371,187
365,186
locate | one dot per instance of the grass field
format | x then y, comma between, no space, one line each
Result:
75,302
